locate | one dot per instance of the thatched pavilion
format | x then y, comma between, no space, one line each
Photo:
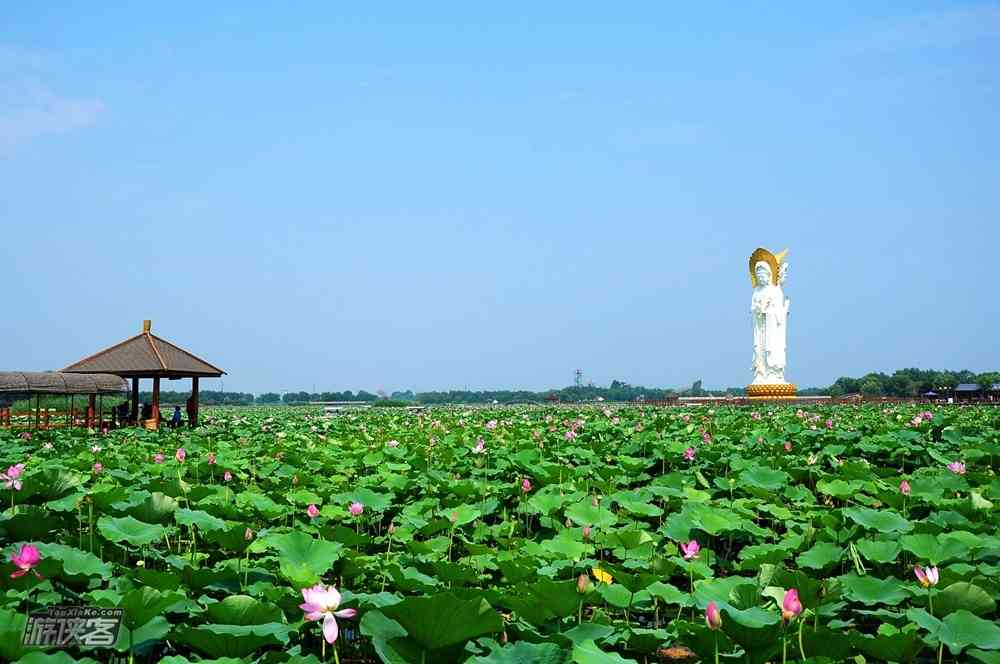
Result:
23,385
148,356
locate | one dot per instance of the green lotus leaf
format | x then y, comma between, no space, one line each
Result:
767,479
232,640
883,520
522,652
935,550
879,551
963,595
129,529
444,620
156,508
243,610
204,520
76,562
583,513
587,652
820,556
303,559
871,590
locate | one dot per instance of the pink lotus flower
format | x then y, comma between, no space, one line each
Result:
356,508
712,616
180,455
916,421
25,435
788,446
48,446
689,454
312,511
392,443
957,467
98,467
227,476
616,420
211,458
526,485
321,602
686,418
904,488
927,577
480,447
791,606
158,458
691,549
829,425
755,416
586,533
570,435
927,415
706,437
491,425
24,559
12,477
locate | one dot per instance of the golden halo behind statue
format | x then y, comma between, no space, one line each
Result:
760,254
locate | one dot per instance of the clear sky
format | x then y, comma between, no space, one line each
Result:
435,196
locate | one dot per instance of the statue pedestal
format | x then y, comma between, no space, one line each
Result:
771,391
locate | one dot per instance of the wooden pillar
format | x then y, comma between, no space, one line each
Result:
156,401
91,411
193,415
37,406
135,398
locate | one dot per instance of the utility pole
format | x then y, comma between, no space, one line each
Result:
578,377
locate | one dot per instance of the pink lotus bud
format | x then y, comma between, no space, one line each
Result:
791,606
211,458
788,446
98,467
525,485
689,454
312,511
180,455
713,618
586,533
904,488
248,534
583,584
392,529
227,476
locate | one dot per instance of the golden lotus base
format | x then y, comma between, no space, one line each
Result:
776,391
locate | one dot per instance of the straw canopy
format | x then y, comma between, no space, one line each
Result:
53,382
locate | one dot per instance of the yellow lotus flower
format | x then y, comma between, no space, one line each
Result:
601,575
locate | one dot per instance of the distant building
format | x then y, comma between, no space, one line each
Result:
968,392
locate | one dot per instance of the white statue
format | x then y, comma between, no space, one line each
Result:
769,308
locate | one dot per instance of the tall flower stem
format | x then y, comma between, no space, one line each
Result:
784,645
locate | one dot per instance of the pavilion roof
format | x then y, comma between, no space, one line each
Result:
967,387
53,382
145,355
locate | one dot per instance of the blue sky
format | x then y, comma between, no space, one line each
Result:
454,196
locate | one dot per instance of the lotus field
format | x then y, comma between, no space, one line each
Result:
527,535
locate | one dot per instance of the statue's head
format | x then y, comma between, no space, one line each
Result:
765,267
763,274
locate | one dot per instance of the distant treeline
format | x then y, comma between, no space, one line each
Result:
902,383
909,382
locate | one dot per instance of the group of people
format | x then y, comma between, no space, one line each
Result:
123,416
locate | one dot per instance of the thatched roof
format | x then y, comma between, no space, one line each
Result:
53,382
145,355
